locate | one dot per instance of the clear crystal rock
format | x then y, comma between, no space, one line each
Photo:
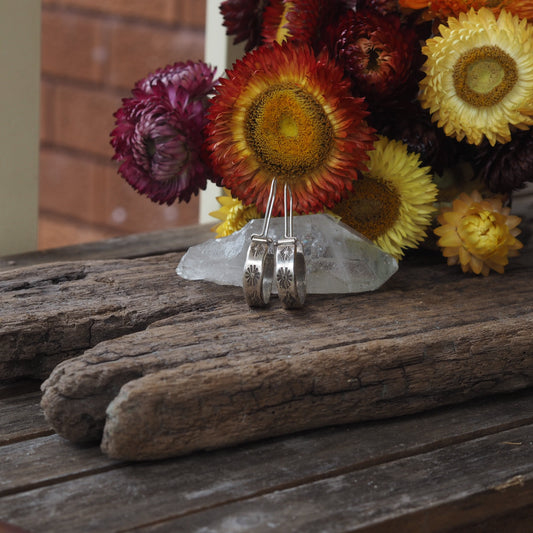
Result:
338,259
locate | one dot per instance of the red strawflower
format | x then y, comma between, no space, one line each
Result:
413,126
383,7
284,113
244,19
301,20
158,136
507,167
379,54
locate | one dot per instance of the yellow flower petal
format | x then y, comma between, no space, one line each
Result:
483,236
450,238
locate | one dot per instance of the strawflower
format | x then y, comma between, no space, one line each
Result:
233,215
379,54
392,203
275,23
159,137
479,234
301,20
284,113
243,19
507,167
413,126
479,76
442,9
383,7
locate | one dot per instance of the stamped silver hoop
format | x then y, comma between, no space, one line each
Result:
290,273
290,262
258,272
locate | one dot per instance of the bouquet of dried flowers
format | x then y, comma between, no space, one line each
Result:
403,118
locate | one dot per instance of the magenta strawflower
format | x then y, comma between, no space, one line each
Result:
158,136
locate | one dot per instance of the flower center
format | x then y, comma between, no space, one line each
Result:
483,76
288,132
483,232
372,207
371,56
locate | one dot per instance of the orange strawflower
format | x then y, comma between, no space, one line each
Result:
442,9
479,234
284,113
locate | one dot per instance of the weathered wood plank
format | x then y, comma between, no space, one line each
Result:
47,460
40,460
444,426
148,492
55,311
402,352
128,247
435,491
22,418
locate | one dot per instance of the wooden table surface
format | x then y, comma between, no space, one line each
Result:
463,467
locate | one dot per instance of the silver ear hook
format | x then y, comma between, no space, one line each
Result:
268,212
259,266
288,227
290,261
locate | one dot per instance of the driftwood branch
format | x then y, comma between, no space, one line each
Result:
209,404
219,373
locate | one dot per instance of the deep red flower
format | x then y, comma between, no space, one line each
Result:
413,126
383,7
243,19
301,20
158,136
379,54
507,167
285,114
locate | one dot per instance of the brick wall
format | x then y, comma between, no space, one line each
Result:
92,53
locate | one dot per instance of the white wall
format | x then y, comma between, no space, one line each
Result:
219,52
20,35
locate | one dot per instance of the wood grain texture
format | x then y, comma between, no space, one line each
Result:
55,311
220,373
216,403
163,491
447,488
21,418
41,461
457,468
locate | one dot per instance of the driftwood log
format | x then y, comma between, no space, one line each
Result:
217,373
53,312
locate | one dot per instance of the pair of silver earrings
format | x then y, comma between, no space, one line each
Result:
283,259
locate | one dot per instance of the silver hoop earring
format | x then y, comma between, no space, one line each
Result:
259,265
290,262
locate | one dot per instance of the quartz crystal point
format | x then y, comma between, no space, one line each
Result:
338,259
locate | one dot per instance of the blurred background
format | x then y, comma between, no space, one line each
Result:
92,52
